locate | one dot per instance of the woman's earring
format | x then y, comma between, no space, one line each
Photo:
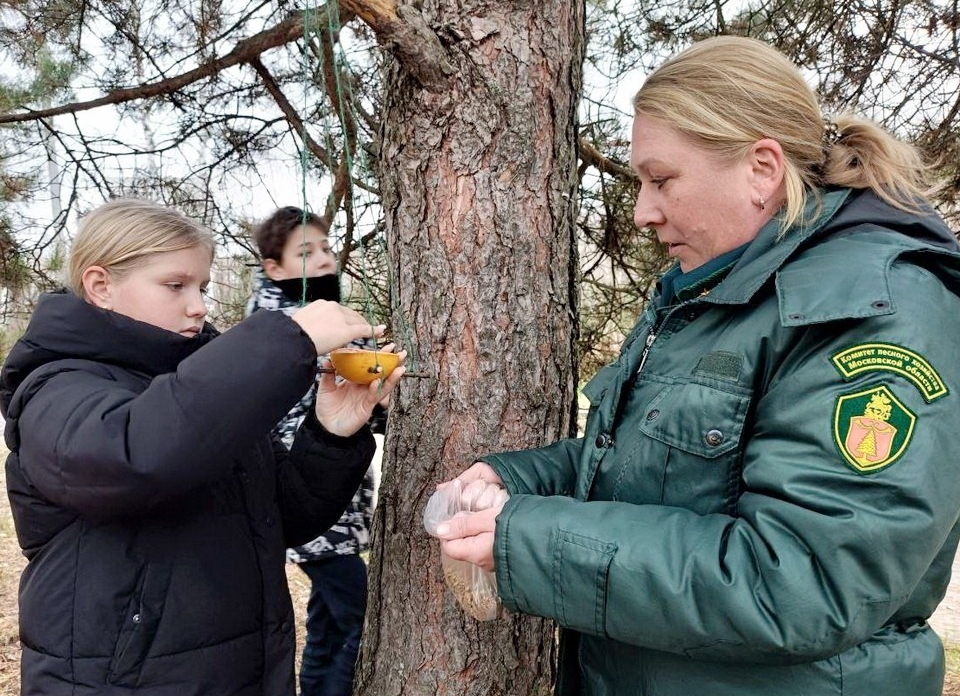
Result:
761,203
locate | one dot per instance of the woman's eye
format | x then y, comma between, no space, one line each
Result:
175,286
205,290
658,181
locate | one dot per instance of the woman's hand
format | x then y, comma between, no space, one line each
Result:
480,495
480,471
468,536
331,325
343,408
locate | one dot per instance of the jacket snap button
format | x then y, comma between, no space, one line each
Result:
604,440
136,618
713,437
653,414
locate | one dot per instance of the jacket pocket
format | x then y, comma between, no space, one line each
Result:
703,426
697,418
581,567
138,626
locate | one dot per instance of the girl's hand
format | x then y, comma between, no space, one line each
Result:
344,408
331,325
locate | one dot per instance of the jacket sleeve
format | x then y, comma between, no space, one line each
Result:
548,470
818,555
103,448
318,478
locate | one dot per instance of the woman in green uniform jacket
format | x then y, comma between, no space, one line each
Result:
766,496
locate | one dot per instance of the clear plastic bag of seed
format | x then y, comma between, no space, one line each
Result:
474,588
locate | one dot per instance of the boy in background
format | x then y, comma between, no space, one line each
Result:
298,266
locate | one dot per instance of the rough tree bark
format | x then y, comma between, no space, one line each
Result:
479,185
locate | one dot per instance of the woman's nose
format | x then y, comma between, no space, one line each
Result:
645,212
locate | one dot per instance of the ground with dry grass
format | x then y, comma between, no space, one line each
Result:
11,563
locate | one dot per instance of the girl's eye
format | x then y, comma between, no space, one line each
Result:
205,290
175,286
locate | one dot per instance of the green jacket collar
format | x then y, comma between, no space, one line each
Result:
677,286
767,253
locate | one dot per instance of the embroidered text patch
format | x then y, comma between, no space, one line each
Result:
887,357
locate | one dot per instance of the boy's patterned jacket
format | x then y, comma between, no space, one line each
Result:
351,533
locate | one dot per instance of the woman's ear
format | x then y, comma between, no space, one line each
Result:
97,286
767,167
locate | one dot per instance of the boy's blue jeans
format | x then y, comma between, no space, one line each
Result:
338,600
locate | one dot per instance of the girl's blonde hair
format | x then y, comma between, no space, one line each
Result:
727,92
125,232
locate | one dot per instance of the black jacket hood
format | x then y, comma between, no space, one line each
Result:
64,326
863,207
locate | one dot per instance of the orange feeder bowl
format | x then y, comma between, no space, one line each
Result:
363,366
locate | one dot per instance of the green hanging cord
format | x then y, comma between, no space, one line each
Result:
313,33
309,29
333,25
402,326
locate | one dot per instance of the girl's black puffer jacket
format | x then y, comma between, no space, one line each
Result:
152,507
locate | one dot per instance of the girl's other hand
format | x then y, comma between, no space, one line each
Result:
342,408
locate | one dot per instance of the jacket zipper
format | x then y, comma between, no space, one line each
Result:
654,332
651,337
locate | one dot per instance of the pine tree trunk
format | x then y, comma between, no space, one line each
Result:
479,191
